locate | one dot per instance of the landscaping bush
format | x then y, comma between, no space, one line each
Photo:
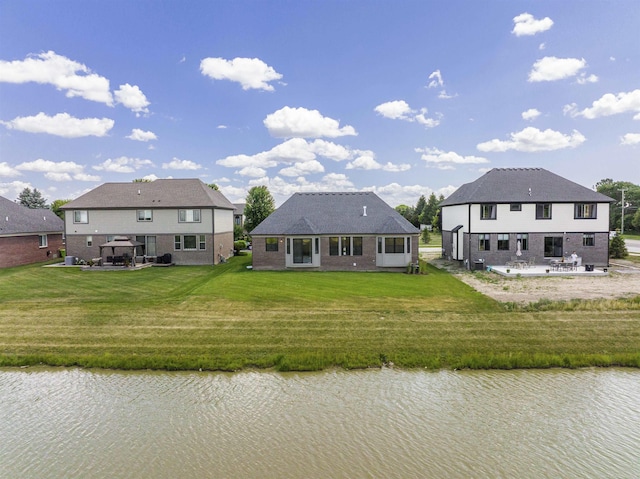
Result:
618,248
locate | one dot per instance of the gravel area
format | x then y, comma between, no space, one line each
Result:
623,280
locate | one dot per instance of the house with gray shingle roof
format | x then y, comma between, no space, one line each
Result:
28,235
183,218
532,211
335,232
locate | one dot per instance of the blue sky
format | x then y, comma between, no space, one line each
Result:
403,98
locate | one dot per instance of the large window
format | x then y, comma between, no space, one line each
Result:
190,242
588,239
553,246
189,216
148,247
585,211
80,216
145,215
524,241
357,245
345,246
503,242
484,242
271,244
394,245
543,211
302,250
334,246
488,211
42,241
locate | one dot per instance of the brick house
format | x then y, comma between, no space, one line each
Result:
183,218
335,232
28,235
546,215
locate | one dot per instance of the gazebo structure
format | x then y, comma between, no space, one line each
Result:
122,245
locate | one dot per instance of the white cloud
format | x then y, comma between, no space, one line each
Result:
443,95
446,160
366,160
531,139
400,110
526,24
221,127
58,171
628,139
302,123
395,110
85,177
553,68
530,114
436,80
132,98
609,104
7,170
303,168
140,135
295,150
122,164
177,164
67,75
252,171
583,79
542,46
13,189
251,73
61,124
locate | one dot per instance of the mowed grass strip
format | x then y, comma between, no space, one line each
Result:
229,318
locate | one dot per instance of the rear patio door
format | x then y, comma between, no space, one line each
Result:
553,246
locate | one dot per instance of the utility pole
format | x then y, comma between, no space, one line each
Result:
622,219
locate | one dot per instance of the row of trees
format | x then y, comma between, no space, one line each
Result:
614,189
425,212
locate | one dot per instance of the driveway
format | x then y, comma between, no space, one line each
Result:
633,246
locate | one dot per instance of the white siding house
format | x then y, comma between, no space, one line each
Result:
530,211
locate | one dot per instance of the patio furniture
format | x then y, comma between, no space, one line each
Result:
531,263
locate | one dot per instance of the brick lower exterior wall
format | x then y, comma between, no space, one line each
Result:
18,250
597,255
217,246
276,260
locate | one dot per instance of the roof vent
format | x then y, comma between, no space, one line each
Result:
364,211
529,191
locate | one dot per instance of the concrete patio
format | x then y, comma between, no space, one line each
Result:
545,270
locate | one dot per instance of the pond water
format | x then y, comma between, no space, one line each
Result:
72,423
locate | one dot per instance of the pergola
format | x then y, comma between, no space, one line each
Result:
122,243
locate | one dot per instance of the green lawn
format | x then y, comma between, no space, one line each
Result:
228,318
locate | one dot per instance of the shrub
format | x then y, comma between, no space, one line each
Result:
618,248
240,244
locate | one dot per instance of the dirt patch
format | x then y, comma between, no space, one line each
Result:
623,281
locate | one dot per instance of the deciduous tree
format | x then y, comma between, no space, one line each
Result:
258,205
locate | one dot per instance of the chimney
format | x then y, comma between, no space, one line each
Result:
364,211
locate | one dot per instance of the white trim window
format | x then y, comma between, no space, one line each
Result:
43,241
585,211
145,215
190,242
89,241
189,216
80,216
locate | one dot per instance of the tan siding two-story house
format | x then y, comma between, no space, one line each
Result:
180,218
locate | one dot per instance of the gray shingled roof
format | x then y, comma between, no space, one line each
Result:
166,193
334,213
16,219
522,185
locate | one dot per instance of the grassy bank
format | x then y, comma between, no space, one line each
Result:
229,318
